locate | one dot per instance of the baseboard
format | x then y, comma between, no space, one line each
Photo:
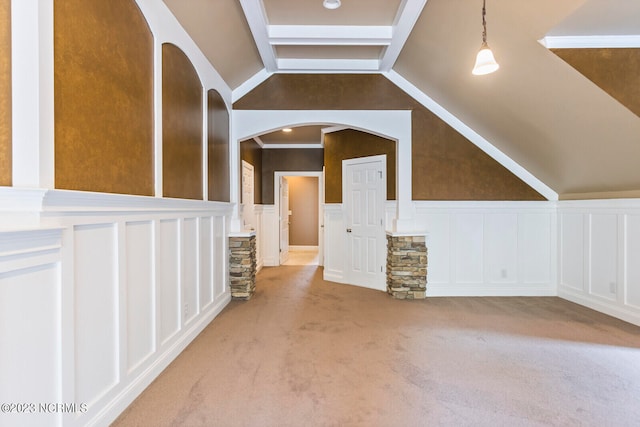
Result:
270,262
489,290
302,248
330,276
610,308
113,409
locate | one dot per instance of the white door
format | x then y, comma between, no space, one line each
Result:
364,193
284,220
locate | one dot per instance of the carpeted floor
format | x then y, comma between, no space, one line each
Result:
304,352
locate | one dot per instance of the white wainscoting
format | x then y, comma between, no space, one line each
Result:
101,296
270,236
475,248
599,263
259,229
489,248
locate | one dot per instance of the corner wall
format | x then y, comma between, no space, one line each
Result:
599,245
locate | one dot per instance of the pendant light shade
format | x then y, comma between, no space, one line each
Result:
485,62
331,4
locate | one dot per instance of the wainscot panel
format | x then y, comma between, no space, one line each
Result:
489,248
114,287
600,246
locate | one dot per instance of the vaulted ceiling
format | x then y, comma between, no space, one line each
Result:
537,109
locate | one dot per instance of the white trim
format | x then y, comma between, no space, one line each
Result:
582,42
32,94
607,307
250,84
472,135
276,200
258,141
406,19
257,20
332,129
318,65
391,124
303,248
330,35
301,145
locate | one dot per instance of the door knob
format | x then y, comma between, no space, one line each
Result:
348,230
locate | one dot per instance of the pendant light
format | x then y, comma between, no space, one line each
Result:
331,4
485,62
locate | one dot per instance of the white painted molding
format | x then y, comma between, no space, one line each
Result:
335,65
258,141
408,14
66,201
600,204
303,248
471,135
301,145
583,42
257,20
423,205
250,84
330,35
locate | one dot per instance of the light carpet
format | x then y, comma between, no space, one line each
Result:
305,352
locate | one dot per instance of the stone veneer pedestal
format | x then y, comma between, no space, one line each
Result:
406,266
242,265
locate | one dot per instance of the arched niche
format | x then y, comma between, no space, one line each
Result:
217,147
103,80
182,116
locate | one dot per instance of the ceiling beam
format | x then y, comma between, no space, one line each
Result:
329,65
257,20
330,35
407,16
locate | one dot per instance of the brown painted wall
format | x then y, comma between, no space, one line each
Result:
182,126
5,92
103,58
287,159
446,166
218,147
616,71
303,204
251,153
351,144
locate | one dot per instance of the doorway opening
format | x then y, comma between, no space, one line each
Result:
299,200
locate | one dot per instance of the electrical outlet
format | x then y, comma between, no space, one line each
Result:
612,287
186,310
503,273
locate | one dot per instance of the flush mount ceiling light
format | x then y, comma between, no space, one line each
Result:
331,4
286,130
485,62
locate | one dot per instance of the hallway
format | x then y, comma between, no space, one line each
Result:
308,352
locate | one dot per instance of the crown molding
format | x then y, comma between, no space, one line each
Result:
585,42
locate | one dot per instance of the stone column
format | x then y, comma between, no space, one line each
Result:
242,264
406,266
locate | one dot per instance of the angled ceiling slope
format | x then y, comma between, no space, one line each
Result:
302,36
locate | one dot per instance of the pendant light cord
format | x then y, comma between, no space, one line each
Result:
484,22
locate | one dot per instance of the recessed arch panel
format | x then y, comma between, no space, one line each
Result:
103,59
182,120
218,147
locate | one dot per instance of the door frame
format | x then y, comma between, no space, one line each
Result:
276,200
381,244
